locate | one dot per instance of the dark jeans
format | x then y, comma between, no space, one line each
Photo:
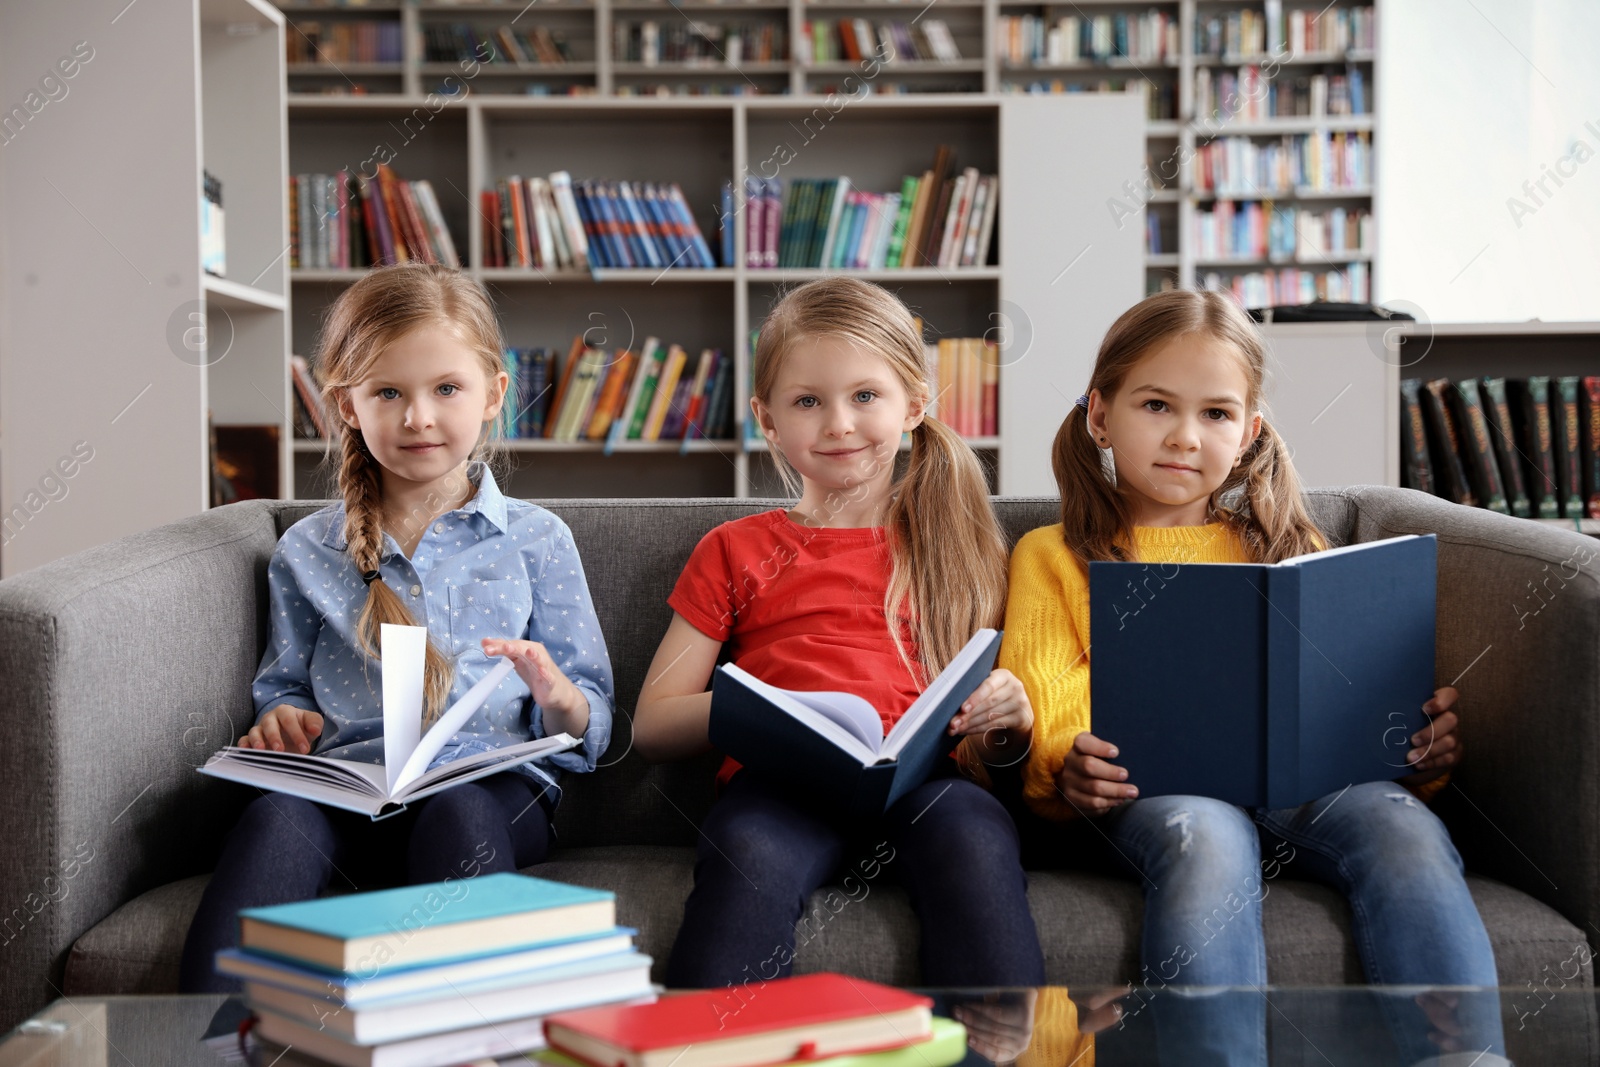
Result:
763,851
285,849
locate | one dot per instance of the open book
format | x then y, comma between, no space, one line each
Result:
381,790
833,744
1264,684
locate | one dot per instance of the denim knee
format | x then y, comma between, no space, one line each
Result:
1198,837
1403,838
276,823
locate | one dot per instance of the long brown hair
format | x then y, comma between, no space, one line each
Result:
368,317
1271,519
946,547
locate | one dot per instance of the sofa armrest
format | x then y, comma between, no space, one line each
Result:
1519,637
127,665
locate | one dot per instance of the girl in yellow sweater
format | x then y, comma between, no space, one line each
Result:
1167,458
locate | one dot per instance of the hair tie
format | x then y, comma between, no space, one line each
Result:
369,576
1083,401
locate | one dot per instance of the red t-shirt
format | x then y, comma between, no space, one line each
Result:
801,607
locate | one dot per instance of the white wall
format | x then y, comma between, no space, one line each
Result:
1475,99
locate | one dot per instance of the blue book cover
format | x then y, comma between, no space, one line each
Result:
831,746
616,226
700,256
640,241
727,221
672,246
1264,685
598,249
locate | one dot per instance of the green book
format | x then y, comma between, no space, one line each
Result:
805,225
897,239
791,204
1497,409
819,228
647,393
1564,432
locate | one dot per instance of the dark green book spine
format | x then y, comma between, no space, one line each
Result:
1532,411
1564,428
1497,410
1483,470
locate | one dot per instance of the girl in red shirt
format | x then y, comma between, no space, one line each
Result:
804,598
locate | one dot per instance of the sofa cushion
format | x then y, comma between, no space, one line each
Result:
1088,924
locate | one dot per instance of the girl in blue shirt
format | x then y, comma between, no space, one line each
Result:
411,364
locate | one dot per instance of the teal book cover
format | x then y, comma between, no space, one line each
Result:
488,896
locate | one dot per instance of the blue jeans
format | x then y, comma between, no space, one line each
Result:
1205,866
764,851
285,849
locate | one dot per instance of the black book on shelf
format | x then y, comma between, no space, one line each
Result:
1415,470
1530,416
1477,451
1497,411
1564,433
1445,444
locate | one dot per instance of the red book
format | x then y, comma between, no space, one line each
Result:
806,1018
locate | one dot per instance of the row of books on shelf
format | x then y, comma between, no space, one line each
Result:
1323,161
1251,95
1160,98
964,376
364,41
1252,230
829,223
461,42
1519,446
834,40
659,393
341,222
696,40
1293,285
1273,32
1150,37
556,223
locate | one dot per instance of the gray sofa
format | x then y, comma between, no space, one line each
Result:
128,664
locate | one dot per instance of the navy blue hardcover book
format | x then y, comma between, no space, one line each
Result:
832,745
1265,685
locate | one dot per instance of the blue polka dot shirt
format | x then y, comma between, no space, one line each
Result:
493,568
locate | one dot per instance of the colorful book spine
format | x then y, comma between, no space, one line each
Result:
1483,470
1453,482
1532,411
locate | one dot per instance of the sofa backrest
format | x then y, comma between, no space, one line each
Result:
632,552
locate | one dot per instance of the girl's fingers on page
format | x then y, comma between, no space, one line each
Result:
289,728
269,733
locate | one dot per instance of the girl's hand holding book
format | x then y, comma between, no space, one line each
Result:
284,728
1438,745
998,717
566,709
1089,783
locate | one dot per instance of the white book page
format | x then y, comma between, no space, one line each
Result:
937,690
536,749
848,711
403,650
454,718
1343,550
784,700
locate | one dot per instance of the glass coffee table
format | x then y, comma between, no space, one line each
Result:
1047,1027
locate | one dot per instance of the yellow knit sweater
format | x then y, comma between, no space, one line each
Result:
1047,636
1046,641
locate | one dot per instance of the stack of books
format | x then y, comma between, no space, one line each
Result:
435,974
1522,446
822,1020
659,393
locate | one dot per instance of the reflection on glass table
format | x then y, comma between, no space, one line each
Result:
1048,1027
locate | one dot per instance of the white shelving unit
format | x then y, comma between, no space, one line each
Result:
113,341
699,142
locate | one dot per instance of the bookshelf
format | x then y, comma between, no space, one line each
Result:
114,343
1176,64
700,142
